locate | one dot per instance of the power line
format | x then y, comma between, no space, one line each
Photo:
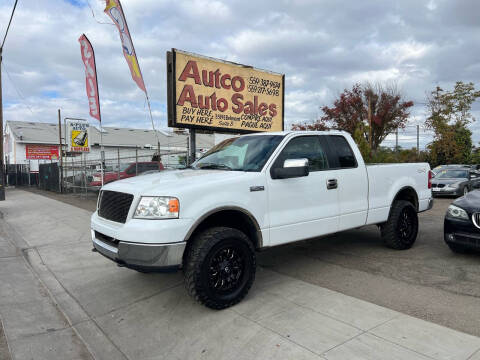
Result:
20,94
9,22
16,89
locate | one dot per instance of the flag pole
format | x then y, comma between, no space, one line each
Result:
153,125
102,152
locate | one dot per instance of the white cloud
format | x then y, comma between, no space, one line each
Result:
322,48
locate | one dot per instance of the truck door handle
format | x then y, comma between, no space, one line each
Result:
332,184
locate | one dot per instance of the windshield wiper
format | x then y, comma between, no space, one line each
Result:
215,166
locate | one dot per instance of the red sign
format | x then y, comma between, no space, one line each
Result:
44,152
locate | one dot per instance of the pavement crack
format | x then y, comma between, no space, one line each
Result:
288,339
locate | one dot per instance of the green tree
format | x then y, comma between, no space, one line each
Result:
449,116
475,156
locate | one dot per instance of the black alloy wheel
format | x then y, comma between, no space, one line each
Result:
406,224
220,267
226,269
401,229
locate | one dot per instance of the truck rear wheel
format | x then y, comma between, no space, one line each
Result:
220,267
401,229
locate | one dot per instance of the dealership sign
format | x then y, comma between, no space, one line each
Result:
212,94
78,135
41,152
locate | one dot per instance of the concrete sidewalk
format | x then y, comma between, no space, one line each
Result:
58,300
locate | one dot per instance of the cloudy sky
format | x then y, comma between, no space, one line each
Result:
321,46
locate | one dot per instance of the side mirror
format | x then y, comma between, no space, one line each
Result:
292,168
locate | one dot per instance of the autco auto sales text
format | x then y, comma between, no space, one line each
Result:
252,114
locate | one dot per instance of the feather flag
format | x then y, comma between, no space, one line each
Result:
114,10
88,58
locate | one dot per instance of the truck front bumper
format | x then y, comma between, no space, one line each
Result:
140,256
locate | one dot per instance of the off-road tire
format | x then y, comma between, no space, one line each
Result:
198,260
391,234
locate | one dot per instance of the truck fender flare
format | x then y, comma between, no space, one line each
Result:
407,193
248,214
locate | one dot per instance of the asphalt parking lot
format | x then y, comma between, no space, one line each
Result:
427,281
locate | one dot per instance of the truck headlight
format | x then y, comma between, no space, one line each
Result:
157,207
457,213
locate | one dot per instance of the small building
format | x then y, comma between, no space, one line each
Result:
34,143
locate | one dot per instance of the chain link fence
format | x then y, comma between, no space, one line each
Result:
82,174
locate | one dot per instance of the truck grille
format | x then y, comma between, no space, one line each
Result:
114,205
476,219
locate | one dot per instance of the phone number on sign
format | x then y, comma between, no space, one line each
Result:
263,90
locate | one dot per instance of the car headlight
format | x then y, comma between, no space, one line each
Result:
452,186
456,212
157,207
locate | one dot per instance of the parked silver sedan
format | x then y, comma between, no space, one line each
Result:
455,182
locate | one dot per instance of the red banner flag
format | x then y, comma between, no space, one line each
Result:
88,57
115,12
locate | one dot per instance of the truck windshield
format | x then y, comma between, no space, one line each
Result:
245,153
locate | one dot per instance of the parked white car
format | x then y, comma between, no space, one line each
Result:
249,193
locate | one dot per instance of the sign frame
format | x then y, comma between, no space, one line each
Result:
69,124
172,95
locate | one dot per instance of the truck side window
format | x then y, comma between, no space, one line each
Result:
343,151
301,147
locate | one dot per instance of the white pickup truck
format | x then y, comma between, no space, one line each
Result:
249,193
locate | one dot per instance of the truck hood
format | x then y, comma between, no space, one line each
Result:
173,181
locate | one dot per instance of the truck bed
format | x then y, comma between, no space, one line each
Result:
384,180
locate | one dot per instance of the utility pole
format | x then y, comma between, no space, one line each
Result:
2,166
61,149
187,160
193,147
370,132
418,139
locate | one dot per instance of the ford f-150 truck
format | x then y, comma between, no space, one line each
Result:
250,193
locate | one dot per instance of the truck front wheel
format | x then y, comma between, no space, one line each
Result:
401,229
220,267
